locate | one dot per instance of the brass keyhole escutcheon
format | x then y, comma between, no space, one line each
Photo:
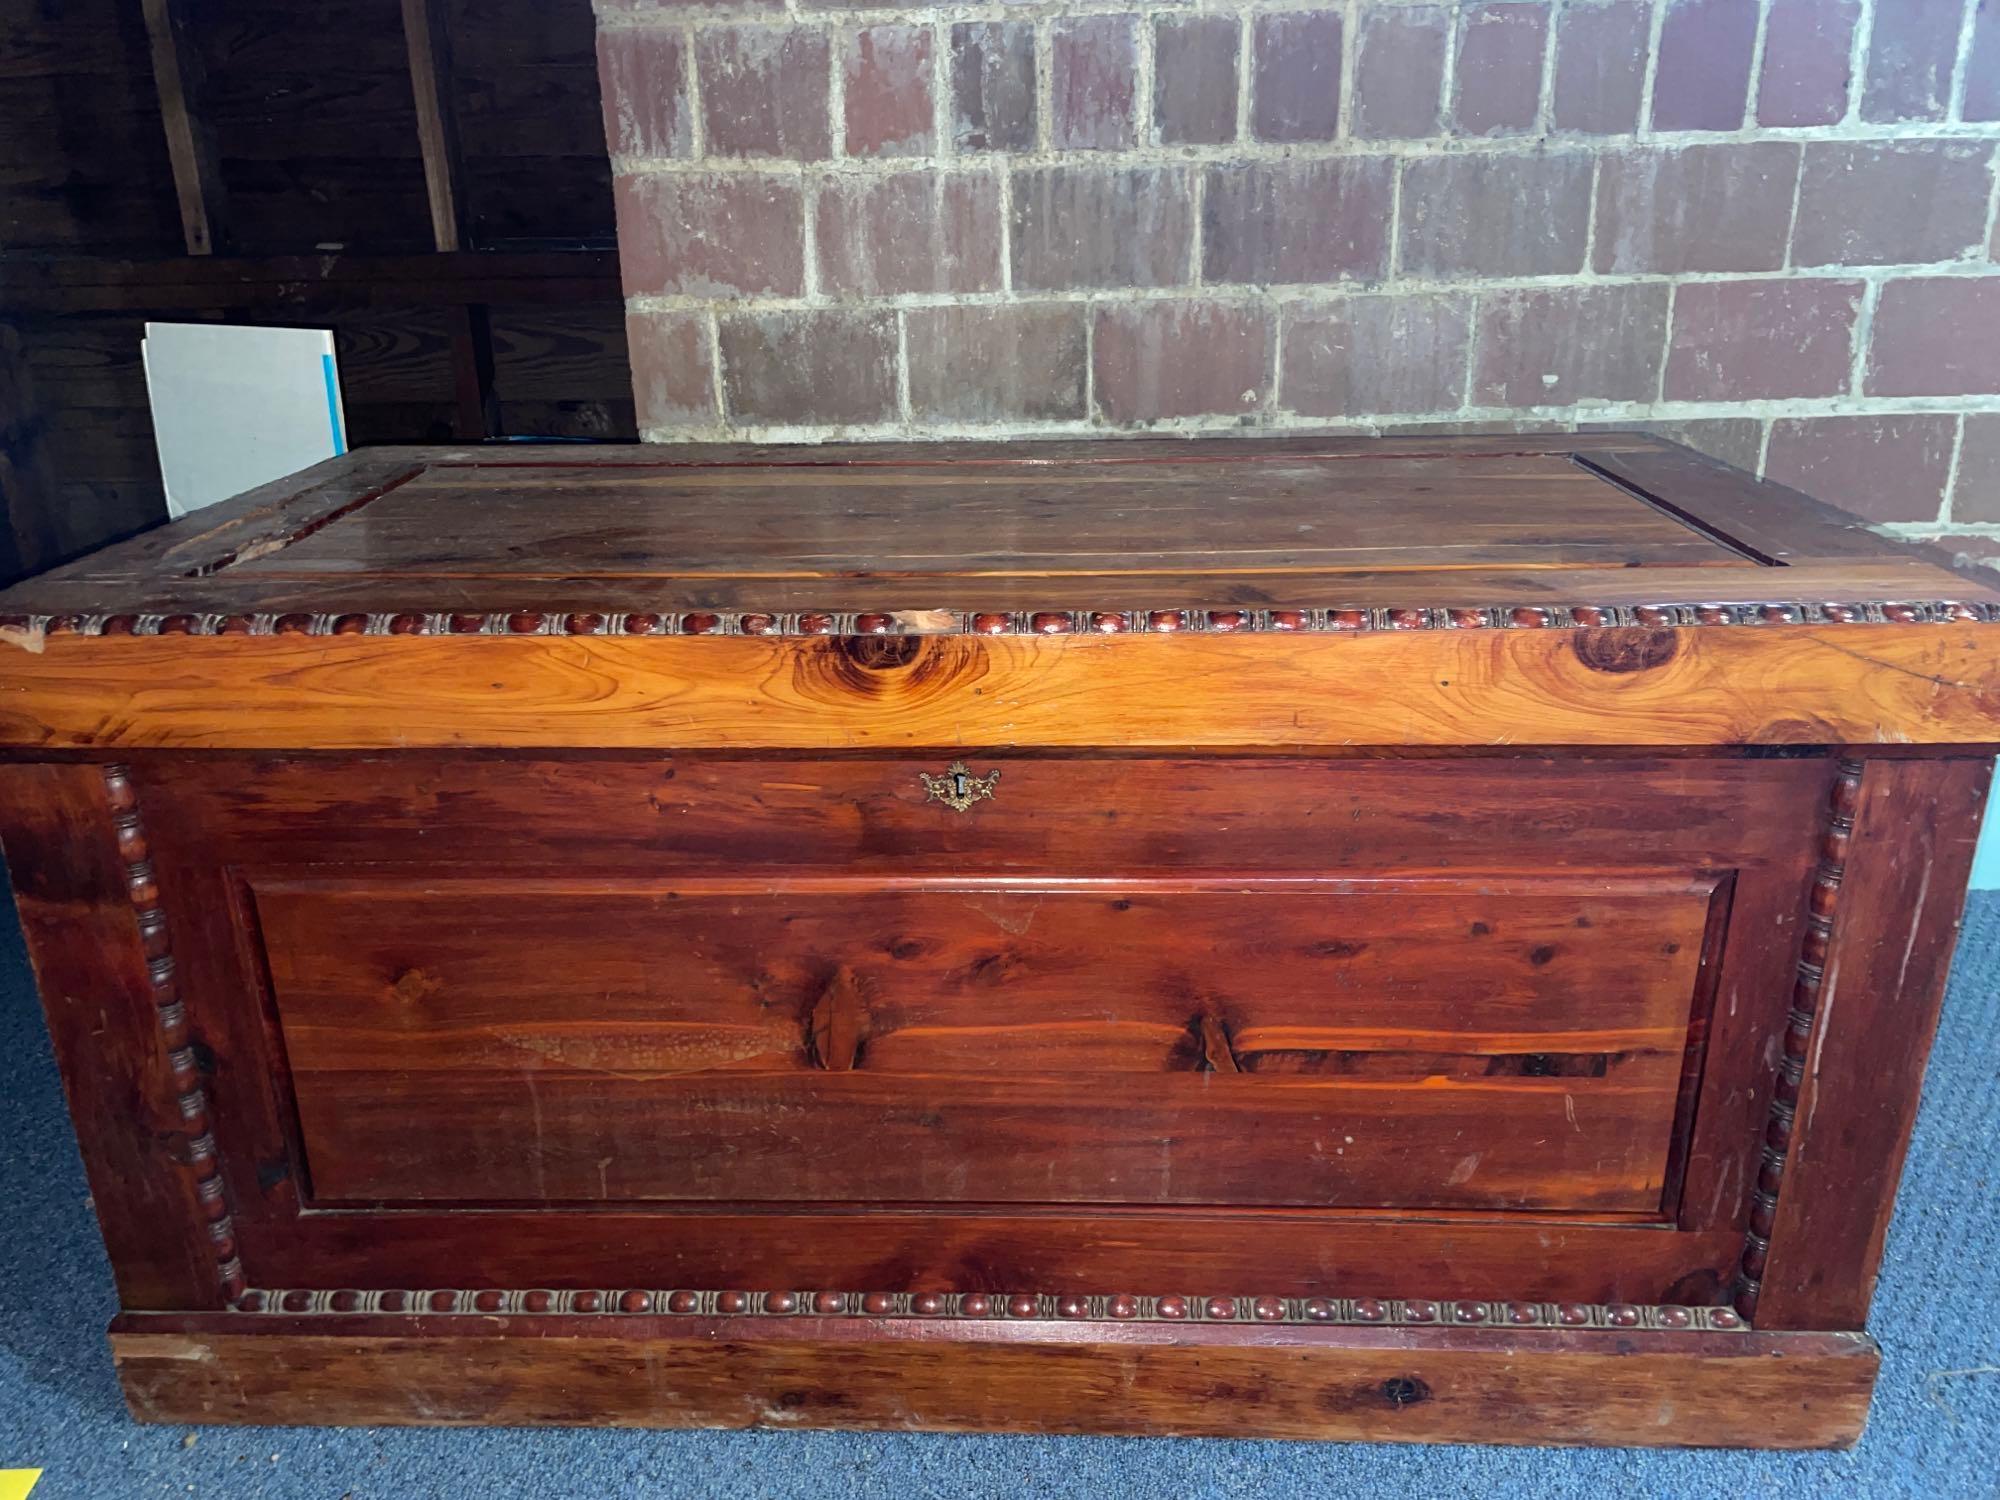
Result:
958,788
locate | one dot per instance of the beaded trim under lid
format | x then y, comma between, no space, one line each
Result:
1335,620
1357,1312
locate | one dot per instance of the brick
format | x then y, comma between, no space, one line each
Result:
1297,221
1556,346
1762,340
1732,440
1015,363
1462,427
643,75
1701,80
1498,86
1976,497
673,379
1158,360
1911,54
993,85
1295,83
1094,82
1399,72
886,84
1696,208
763,91
1883,203
1194,80
795,368
1808,62
1982,65
1936,336
1378,354
1101,226
1493,214
677,8
1880,468
706,235
908,232
1601,67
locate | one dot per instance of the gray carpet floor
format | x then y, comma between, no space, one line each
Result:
1936,1427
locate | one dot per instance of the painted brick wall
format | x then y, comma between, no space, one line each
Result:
1765,226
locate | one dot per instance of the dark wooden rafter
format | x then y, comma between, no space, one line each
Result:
429,44
478,406
28,539
475,300
81,285
180,78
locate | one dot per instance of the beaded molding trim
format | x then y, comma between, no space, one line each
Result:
1340,620
1806,990
1358,1312
202,1164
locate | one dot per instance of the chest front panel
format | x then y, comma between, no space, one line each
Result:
1482,1026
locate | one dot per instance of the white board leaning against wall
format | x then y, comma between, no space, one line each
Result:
235,407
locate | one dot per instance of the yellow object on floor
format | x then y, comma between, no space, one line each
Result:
15,1483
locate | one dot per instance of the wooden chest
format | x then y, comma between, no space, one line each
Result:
1316,937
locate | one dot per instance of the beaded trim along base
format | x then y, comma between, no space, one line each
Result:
1016,622
1360,1312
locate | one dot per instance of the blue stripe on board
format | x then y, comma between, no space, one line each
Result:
333,404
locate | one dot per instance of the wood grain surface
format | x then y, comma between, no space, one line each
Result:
1140,523
1858,684
379,882
1488,869
127,1074
1694,1390
1467,1043
1862,1065
1291,518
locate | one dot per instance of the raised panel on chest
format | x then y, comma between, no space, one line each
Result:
1160,992
1451,1044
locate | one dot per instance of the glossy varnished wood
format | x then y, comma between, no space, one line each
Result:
1845,684
1484,901
1144,523
1859,1071
89,905
379,900
1463,1043
1514,1386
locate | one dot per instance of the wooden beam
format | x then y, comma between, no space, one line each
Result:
30,540
304,283
180,78
429,46
472,373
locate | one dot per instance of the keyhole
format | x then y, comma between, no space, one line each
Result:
959,783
